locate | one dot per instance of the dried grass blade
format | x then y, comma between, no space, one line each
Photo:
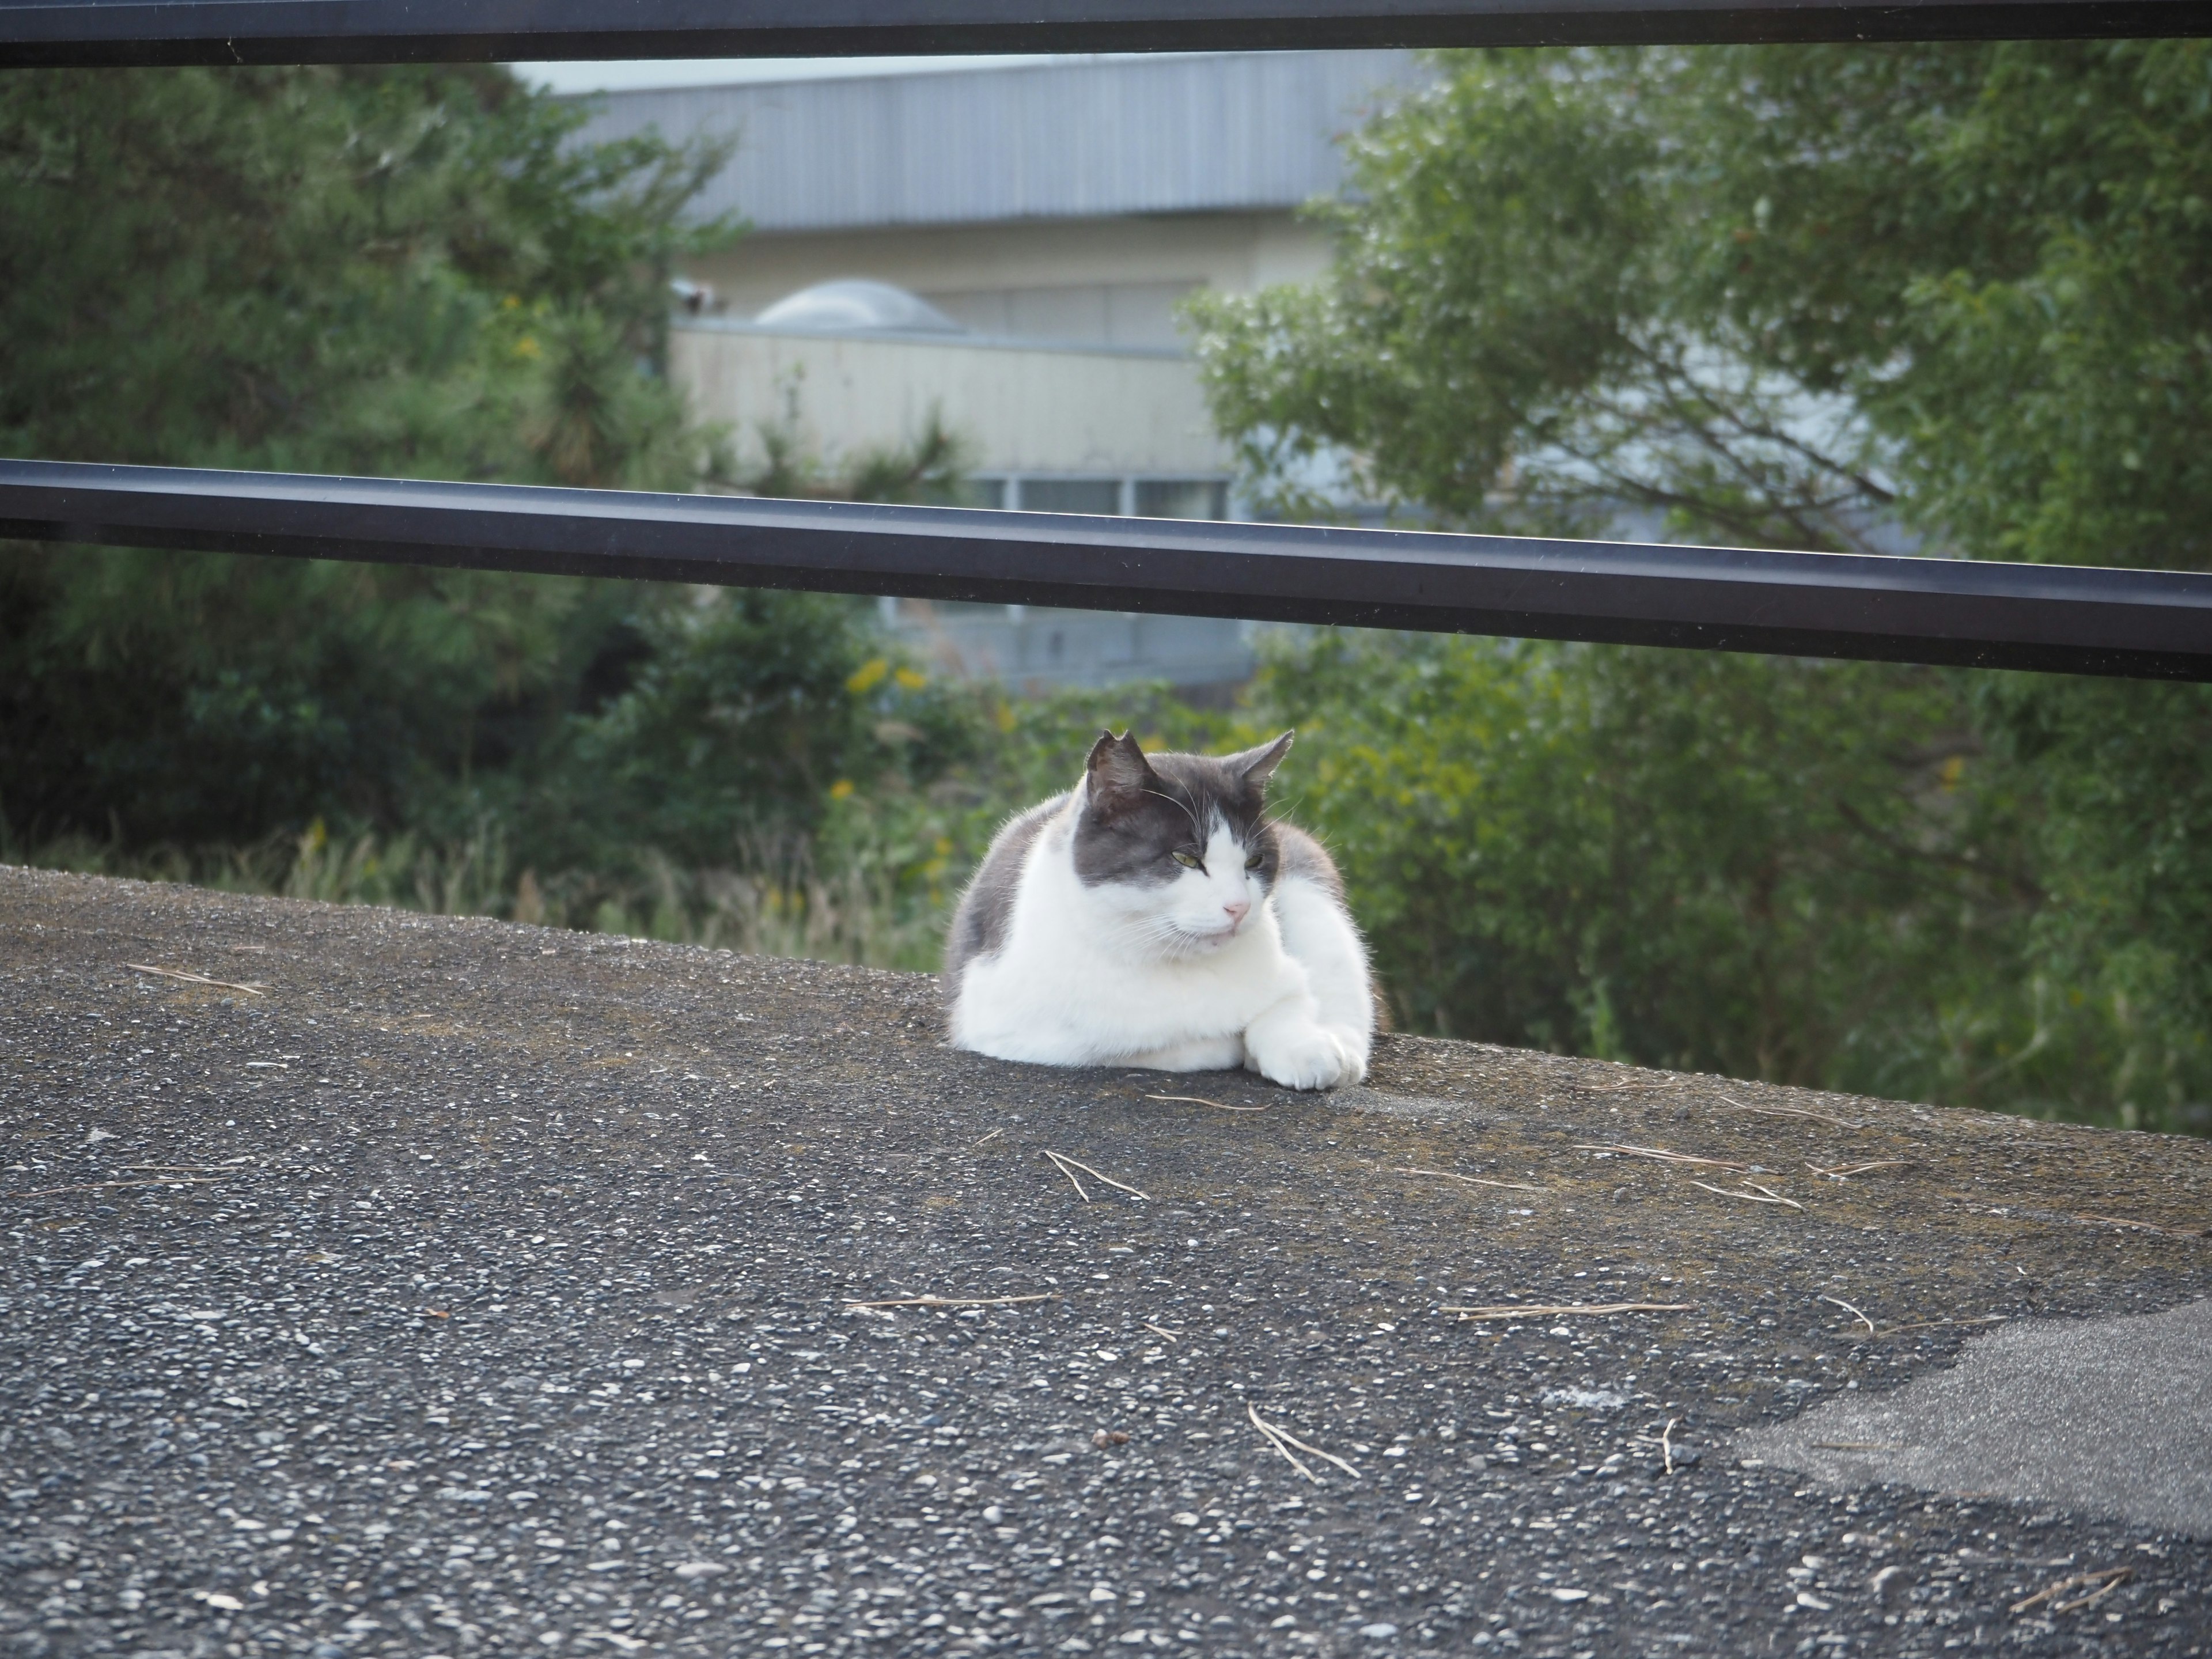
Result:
952,1301
1662,1154
1793,1111
1282,1433
1750,1198
1119,1186
253,990
1472,1181
2111,1577
1060,1164
1548,1310
106,1185
1201,1100
1275,1440
1776,1196
1843,1172
2120,1576
1852,1311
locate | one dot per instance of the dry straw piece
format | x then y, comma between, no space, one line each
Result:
1062,1162
1845,1172
1201,1100
1661,1154
103,1185
1284,1439
1793,1111
1852,1311
2108,1579
953,1301
1471,1181
1551,1311
253,990
1757,1196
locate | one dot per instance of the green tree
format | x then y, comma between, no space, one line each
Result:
1814,297
1695,860
392,271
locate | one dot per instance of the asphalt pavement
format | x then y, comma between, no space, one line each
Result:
2110,1416
381,1283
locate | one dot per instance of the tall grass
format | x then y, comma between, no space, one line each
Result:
777,905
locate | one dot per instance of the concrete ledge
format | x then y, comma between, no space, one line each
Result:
480,1289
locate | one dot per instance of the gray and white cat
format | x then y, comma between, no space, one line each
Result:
1154,916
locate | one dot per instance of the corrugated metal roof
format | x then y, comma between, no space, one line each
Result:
1215,131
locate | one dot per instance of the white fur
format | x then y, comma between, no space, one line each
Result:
1208,972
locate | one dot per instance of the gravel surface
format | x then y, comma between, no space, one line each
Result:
478,1288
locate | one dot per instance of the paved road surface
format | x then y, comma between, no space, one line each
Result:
479,1290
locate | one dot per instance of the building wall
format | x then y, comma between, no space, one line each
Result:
1032,650
1185,132
1027,409
1060,212
1109,281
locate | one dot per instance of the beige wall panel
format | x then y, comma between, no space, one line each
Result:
1233,252
1024,411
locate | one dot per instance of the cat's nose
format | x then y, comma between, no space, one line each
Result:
1237,909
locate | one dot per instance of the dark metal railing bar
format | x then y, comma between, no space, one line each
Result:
2139,624
64,33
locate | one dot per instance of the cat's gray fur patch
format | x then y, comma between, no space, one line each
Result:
1303,855
987,909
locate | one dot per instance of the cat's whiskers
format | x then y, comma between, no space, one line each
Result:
1163,936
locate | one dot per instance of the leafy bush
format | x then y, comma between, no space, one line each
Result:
1820,297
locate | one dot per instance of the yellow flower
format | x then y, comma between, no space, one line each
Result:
910,680
1953,769
867,676
840,790
944,845
527,346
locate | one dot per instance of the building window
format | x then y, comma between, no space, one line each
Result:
1100,495
1182,498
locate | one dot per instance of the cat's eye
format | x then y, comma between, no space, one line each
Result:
1254,861
1189,860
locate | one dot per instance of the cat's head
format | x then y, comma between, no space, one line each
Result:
1179,846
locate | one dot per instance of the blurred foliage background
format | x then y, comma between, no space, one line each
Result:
1806,297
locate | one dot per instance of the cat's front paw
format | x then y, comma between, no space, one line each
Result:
1303,1056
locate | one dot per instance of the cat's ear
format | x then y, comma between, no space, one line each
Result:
1257,765
1119,776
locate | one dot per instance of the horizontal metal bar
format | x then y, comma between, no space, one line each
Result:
55,33
2143,624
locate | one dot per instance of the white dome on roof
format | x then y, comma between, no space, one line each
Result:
856,306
